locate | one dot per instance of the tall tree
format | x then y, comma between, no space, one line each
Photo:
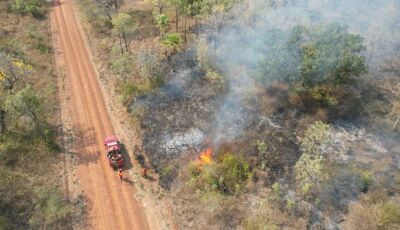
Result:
25,108
178,6
327,54
125,27
171,42
122,66
108,7
160,4
11,71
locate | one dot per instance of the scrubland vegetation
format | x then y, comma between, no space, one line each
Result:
299,101
31,193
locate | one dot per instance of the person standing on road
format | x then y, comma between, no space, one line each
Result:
144,172
120,174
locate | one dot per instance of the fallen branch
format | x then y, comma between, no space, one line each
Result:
265,119
395,124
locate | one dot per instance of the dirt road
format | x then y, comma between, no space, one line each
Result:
112,204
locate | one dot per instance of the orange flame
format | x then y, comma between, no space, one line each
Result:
206,156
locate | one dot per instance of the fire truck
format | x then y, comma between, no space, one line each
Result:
114,153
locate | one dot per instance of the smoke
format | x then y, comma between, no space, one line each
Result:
256,31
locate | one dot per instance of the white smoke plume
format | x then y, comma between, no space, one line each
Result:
245,41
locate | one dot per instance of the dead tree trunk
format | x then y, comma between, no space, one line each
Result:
177,19
126,42
185,31
395,124
2,121
120,44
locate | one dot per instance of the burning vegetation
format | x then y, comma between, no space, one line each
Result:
205,157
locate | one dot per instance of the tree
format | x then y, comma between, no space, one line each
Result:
12,70
160,4
162,22
188,8
151,67
327,54
122,66
124,26
25,108
108,7
171,43
313,56
178,10
217,18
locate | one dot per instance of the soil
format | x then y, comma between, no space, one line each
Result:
111,203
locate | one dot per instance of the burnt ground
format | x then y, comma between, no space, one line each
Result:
180,117
177,115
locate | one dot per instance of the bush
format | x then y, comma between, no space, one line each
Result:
216,79
122,65
51,210
366,180
310,168
227,175
371,216
28,7
234,172
151,69
39,39
127,92
276,190
167,174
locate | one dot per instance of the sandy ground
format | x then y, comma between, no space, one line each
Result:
112,204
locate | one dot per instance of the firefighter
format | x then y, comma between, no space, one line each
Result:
144,172
120,174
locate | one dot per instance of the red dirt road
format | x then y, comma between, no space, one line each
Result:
112,204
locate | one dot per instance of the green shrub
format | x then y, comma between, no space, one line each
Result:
226,175
51,210
127,92
323,95
234,172
290,205
216,80
162,22
366,180
39,39
276,190
262,147
28,7
167,171
310,168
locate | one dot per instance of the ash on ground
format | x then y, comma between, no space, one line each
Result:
178,115
177,143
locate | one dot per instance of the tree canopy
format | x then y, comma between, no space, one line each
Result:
124,26
314,55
